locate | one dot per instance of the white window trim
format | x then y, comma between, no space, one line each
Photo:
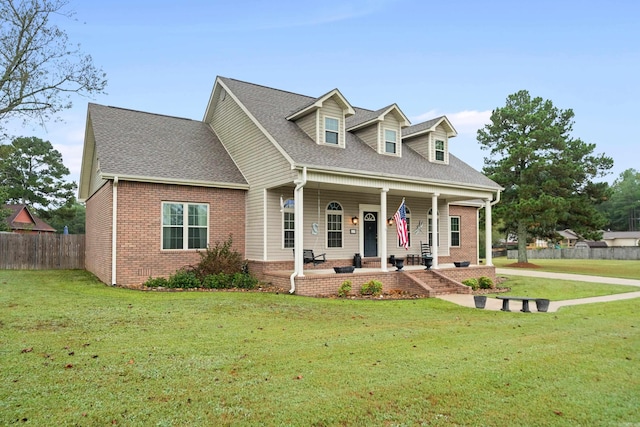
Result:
384,141
459,245
284,230
324,131
444,150
342,228
185,225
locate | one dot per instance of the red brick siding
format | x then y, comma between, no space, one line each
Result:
98,233
468,250
139,222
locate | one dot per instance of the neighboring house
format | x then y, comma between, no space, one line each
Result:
621,238
569,238
22,220
280,172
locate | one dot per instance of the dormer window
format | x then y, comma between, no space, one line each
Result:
390,141
439,150
331,130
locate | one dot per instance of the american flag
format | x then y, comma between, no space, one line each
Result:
400,218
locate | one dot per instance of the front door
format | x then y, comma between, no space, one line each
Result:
370,234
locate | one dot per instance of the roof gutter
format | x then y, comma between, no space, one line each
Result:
300,183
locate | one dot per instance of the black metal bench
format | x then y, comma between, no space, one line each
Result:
309,257
525,303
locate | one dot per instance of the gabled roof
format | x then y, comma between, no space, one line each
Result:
620,235
429,126
269,108
365,119
155,148
22,211
317,103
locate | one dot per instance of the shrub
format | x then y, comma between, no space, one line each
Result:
219,259
344,289
485,283
156,282
217,281
184,279
228,281
472,283
372,287
244,281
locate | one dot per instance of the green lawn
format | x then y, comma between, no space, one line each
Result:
609,268
76,352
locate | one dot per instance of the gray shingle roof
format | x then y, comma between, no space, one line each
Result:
271,107
134,143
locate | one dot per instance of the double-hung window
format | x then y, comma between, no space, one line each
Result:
331,130
390,141
185,225
455,231
439,150
334,225
288,223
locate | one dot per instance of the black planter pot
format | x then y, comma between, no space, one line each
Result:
480,300
428,262
542,304
399,263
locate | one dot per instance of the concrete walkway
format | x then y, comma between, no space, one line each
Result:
515,306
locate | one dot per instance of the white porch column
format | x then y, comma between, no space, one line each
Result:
383,229
299,230
487,232
434,228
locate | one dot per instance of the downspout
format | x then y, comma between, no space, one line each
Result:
300,183
488,229
114,230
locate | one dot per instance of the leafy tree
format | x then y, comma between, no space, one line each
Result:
33,173
546,174
39,68
623,207
72,215
4,213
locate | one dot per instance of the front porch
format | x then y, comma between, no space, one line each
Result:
322,280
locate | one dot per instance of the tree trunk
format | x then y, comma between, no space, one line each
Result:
522,242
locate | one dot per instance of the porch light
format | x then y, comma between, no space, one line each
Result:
354,220
390,221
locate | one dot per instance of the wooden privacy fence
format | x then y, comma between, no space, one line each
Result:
41,251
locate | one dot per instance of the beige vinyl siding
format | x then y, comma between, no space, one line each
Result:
96,182
389,122
309,124
419,144
369,135
243,139
441,135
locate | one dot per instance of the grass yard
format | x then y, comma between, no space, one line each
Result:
627,269
76,352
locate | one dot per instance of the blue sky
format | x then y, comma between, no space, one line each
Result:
459,58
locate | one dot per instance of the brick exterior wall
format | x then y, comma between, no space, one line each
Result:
139,234
98,233
468,250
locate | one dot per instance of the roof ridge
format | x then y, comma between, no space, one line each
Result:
144,112
274,88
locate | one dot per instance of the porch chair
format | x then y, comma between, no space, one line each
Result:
425,255
309,257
